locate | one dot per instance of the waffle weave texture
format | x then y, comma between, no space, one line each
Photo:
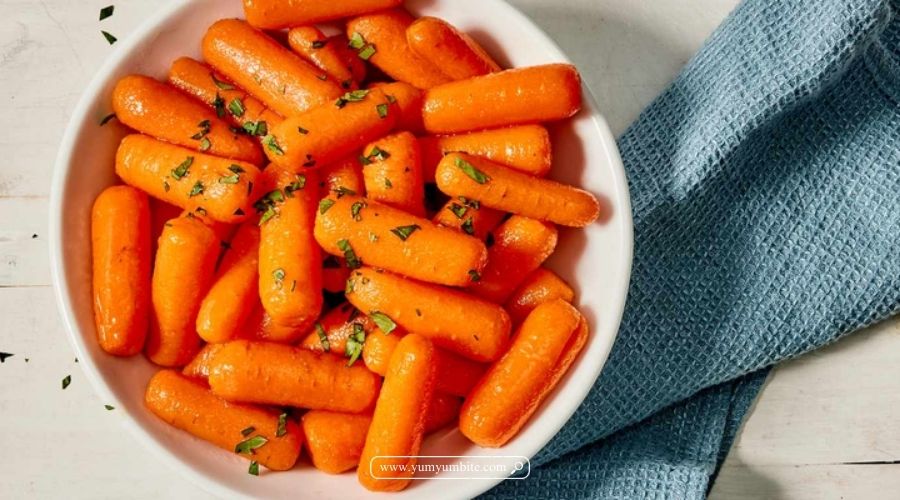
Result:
766,190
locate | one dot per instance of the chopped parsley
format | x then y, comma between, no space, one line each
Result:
278,276
109,38
230,179
387,183
219,104
470,170
391,99
205,144
249,430
4,355
259,128
236,106
66,381
323,337
282,425
468,226
474,276
353,261
341,191
253,470
204,130
109,407
298,184
366,52
106,12
325,204
382,110
220,84
196,190
403,232
236,168
355,343
249,445
383,321
352,96
302,130
272,144
183,168
355,209
458,210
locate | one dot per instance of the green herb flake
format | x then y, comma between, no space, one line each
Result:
278,275
236,106
323,337
470,170
458,210
259,128
383,321
302,131
109,407
318,44
272,144
183,168
348,287
282,425
249,445
353,261
373,237
468,226
474,276
298,184
391,99
204,126
219,104
382,110
66,381
4,355
377,154
196,190
364,161
107,118
166,186
236,168
418,312
352,96
249,430
205,144
473,204
366,52
109,38
355,209
356,41
107,12
220,84
325,204
230,179
341,191
355,343
403,232
387,183
253,470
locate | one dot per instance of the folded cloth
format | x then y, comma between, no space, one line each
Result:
766,190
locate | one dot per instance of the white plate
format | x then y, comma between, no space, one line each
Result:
596,261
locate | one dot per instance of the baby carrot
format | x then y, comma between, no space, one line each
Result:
378,349
290,264
223,231
398,423
349,56
120,245
229,102
381,38
313,46
273,74
514,387
454,52
520,246
378,235
183,271
343,176
261,326
452,319
393,173
511,97
161,111
502,188
278,14
199,366
540,286
331,131
160,213
442,410
233,294
185,178
273,440
525,147
331,332
469,217
335,440
276,374
409,101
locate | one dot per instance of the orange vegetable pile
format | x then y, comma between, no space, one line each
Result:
279,248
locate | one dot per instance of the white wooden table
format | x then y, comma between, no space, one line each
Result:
824,427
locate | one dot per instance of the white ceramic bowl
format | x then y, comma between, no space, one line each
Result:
596,260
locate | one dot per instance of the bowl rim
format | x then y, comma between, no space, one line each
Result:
168,13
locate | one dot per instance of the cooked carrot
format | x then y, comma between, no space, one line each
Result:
525,147
185,263
444,46
520,246
290,264
331,332
442,410
349,55
278,14
343,176
502,188
273,440
230,300
331,131
261,326
276,374
223,231
469,217
160,213
409,101
260,65
540,286
185,178
454,320
381,38
120,247
378,235
514,387
335,440
512,97
398,423
393,173
334,274
199,366
378,349
235,105
313,46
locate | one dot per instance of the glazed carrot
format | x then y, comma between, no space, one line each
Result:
393,173
512,97
520,246
185,178
454,52
273,74
290,264
343,176
452,319
120,245
313,46
378,235
442,410
182,274
276,374
330,333
230,300
502,188
381,37
409,101
334,274
278,14
223,231
469,217
350,57
199,366
335,440
525,147
261,326
160,213
331,131
188,405
156,109
235,105
514,387
542,285
398,423
378,349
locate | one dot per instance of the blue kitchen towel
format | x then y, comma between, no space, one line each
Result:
766,190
